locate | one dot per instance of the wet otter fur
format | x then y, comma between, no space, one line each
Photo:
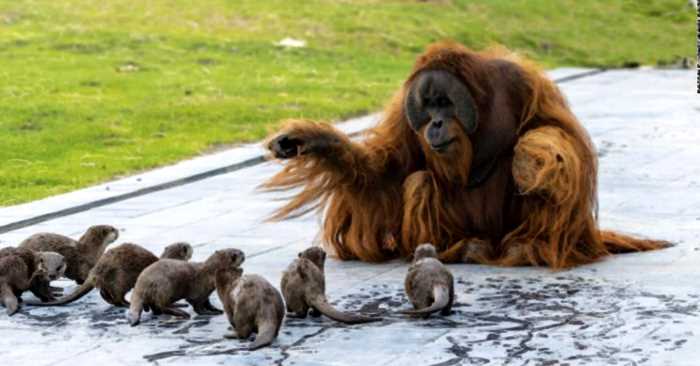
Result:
16,273
251,305
304,287
168,280
80,255
116,272
429,284
55,266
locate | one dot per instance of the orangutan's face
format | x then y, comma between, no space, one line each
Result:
440,109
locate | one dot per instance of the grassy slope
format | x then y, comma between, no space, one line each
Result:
93,89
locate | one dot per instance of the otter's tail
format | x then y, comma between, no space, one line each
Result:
621,243
81,291
321,304
136,307
267,332
9,299
441,294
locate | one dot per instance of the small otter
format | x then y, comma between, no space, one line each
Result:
117,270
80,255
180,250
55,266
16,273
251,305
429,284
167,281
304,287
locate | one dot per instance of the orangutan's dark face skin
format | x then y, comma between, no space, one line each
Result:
438,107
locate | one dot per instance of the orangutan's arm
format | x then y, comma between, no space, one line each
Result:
322,160
321,143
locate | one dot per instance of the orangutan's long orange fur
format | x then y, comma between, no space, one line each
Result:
385,195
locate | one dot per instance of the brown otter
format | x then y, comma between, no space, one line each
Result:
80,255
16,273
429,284
180,250
304,287
117,270
251,305
55,266
167,281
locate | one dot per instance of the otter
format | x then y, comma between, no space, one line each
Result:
429,284
40,286
55,266
180,250
167,281
251,305
304,287
16,273
80,255
117,270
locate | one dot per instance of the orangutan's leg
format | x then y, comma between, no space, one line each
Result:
420,216
519,254
470,251
424,221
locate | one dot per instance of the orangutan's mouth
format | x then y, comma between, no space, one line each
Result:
441,147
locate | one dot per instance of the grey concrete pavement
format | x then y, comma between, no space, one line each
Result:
630,309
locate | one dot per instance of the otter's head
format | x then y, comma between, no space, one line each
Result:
182,251
54,264
226,258
99,235
424,251
316,255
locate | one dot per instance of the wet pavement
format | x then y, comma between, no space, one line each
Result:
633,309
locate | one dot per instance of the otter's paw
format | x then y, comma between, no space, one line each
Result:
133,318
56,291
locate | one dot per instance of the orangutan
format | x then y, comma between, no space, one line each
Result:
478,153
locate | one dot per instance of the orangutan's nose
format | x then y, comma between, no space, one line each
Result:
438,135
435,131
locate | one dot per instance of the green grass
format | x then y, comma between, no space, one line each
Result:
90,90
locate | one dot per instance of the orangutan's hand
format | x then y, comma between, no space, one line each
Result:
285,147
300,137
